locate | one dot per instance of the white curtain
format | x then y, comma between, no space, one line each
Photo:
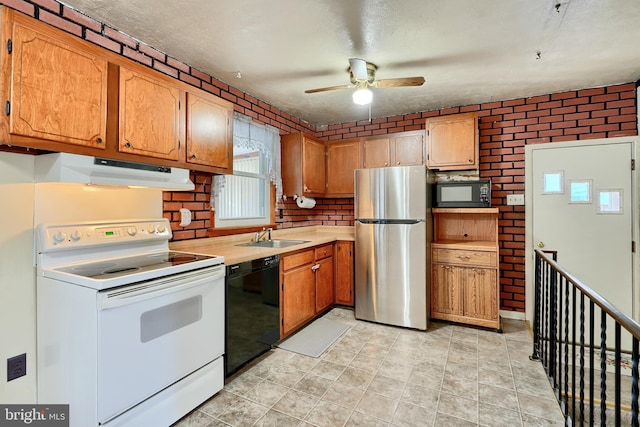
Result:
250,135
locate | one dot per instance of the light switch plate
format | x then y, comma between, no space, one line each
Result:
515,199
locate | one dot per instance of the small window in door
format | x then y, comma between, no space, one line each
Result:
610,201
553,182
580,190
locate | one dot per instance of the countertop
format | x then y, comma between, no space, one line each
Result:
226,246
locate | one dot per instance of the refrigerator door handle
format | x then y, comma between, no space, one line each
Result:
389,221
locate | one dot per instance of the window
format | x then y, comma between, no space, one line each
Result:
552,182
610,201
580,191
244,198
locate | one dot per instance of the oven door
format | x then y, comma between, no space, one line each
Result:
154,333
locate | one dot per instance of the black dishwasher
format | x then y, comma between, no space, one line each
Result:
252,310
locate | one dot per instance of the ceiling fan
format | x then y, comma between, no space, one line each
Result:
363,75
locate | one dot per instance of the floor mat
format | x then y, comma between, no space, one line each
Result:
314,339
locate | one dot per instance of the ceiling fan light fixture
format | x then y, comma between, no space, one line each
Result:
362,96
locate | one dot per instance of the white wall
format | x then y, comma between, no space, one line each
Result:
17,275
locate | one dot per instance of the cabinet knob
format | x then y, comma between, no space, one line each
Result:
99,140
470,160
315,267
128,145
386,163
397,163
193,156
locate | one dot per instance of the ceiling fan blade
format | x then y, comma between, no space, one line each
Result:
401,82
358,68
326,89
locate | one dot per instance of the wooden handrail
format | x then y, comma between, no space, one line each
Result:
625,321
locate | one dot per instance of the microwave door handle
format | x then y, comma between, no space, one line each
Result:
146,291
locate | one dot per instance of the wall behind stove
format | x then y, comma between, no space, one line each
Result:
17,275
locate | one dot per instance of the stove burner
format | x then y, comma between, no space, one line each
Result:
83,269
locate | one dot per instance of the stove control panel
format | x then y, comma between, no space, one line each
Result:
87,234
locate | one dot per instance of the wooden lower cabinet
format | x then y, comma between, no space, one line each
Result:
298,297
465,294
307,286
344,273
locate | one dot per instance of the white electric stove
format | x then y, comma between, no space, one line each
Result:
129,332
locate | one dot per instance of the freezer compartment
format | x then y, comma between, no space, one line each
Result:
391,273
398,192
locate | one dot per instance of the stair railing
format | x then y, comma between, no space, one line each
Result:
567,313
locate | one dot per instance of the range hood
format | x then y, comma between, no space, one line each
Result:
66,167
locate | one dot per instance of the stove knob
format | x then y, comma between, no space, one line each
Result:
161,229
131,231
59,237
151,229
75,236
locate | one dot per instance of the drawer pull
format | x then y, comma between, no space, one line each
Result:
315,267
467,257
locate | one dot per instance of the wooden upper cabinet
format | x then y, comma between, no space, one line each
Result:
303,165
398,149
58,89
377,152
149,116
343,158
452,142
409,148
209,132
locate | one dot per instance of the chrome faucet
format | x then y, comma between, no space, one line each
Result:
261,234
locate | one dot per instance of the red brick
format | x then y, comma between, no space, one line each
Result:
20,5
149,51
605,98
618,119
81,19
177,64
190,79
537,99
120,37
137,56
165,69
102,41
622,103
621,88
563,95
60,23
52,5
591,92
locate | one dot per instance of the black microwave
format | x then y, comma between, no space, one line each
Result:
463,194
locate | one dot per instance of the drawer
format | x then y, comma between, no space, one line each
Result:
295,260
457,256
324,251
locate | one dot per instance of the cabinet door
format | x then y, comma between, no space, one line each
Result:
446,289
377,152
298,297
342,159
209,132
408,149
452,142
325,284
313,167
149,116
480,293
58,91
344,273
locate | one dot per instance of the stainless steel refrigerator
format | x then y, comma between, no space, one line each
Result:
392,232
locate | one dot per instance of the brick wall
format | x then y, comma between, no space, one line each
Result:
505,128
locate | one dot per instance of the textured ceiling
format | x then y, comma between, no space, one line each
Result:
469,51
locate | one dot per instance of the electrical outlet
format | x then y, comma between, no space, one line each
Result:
16,366
515,199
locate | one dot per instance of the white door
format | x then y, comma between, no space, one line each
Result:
580,204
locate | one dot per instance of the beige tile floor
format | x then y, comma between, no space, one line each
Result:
376,375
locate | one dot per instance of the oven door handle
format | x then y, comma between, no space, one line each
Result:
147,290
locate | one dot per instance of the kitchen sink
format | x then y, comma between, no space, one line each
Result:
276,243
